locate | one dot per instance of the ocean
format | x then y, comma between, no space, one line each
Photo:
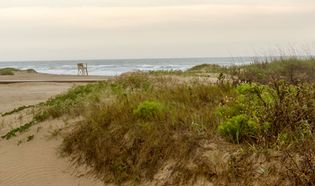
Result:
119,66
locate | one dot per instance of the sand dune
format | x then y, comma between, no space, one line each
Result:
34,162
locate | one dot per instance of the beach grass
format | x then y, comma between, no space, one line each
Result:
8,71
11,71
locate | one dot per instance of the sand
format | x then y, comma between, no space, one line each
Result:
50,77
35,162
18,94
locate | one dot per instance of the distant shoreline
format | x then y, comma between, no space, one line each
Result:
118,67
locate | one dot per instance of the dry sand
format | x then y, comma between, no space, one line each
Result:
18,94
51,77
34,163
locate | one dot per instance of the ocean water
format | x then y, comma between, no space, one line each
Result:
117,67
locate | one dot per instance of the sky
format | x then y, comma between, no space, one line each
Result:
117,29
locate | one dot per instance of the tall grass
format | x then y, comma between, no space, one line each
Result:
290,69
132,138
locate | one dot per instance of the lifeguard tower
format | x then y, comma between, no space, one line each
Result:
82,69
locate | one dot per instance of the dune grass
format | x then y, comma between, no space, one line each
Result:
8,71
16,110
21,129
134,136
290,69
11,71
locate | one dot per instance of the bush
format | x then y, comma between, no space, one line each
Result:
269,113
149,109
7,71
11,71
238,127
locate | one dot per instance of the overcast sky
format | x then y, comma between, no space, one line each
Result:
103,29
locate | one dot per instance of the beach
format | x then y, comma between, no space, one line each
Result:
159,128
32,88
36,162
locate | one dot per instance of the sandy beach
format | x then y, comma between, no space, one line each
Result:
35,162
30,92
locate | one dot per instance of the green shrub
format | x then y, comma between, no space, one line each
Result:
8,71
238,127
149,109
276,111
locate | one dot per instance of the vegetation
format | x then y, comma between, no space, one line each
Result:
20,129
12,71
30,138
166,72
134,137
149,110
16,110
68,103
291,70
8,71
255,126
265,114
207,68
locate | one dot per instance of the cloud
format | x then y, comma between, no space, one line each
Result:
154,31
128,3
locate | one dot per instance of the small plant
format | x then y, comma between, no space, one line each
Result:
238,127
30,138
20,129
17,110
149,109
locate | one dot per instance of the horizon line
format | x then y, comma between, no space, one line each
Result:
150,58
